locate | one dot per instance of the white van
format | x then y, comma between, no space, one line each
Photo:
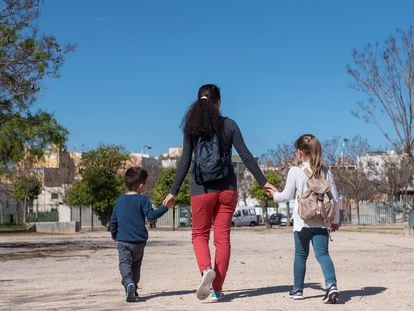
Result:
244,216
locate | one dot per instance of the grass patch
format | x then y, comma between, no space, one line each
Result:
12,227
385,228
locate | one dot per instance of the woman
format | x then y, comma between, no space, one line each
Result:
213,200
308,151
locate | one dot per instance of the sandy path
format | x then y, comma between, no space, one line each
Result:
79,272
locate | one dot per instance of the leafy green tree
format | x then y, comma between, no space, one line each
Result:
25,187
259,192
79,194
163,185
26,137
102,180
26,58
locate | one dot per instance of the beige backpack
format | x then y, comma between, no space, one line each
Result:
317,201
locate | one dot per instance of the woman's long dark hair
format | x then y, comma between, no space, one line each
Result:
203,118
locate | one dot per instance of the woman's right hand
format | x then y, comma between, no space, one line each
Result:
169,200
334,227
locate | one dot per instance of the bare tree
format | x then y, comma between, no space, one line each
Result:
330,149
385,73
244,182
282,155
392,175
350,177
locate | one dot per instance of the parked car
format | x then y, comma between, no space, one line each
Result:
275,219
279,219
184,221
244,216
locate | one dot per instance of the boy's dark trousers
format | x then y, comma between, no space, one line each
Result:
130,259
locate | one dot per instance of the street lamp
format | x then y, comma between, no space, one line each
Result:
344,153
145,147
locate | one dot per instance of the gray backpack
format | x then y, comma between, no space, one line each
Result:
317,201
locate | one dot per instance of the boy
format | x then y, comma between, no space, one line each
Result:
128,228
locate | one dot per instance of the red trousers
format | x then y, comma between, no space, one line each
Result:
206,208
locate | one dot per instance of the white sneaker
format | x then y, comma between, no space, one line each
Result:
203,290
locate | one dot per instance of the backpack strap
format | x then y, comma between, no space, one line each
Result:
327,221
307,172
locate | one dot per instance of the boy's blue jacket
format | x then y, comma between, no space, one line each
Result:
128,218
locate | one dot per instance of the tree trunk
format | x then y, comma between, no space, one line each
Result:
24,209
288,213
357,209
266,216
405,207
393,214
173,222
19,211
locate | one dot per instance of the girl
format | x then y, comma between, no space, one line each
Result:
308,151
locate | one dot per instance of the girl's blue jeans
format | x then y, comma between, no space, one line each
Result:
320,241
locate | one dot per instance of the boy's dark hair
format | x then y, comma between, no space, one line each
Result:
134,176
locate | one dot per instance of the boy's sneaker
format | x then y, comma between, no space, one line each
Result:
332,295
217,296
296,294
203,290
130,293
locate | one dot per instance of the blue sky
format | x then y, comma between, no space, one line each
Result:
281,67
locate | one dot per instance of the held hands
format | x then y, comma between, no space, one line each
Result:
334,227
270,189
169,200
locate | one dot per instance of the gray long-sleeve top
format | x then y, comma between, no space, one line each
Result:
232,137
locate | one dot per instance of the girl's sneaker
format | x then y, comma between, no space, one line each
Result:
331,295
296,294
203,290
216,296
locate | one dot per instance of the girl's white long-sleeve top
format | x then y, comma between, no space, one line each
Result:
295,187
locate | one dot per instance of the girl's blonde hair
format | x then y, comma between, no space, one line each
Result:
312,149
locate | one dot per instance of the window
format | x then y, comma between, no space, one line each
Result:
245,212
55,196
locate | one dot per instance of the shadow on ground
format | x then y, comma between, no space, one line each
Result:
27,250
253,292
347,295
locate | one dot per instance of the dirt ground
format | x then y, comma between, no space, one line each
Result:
80,272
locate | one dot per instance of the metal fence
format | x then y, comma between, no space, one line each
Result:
42,216
179,220
375,213
8,212
86,218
